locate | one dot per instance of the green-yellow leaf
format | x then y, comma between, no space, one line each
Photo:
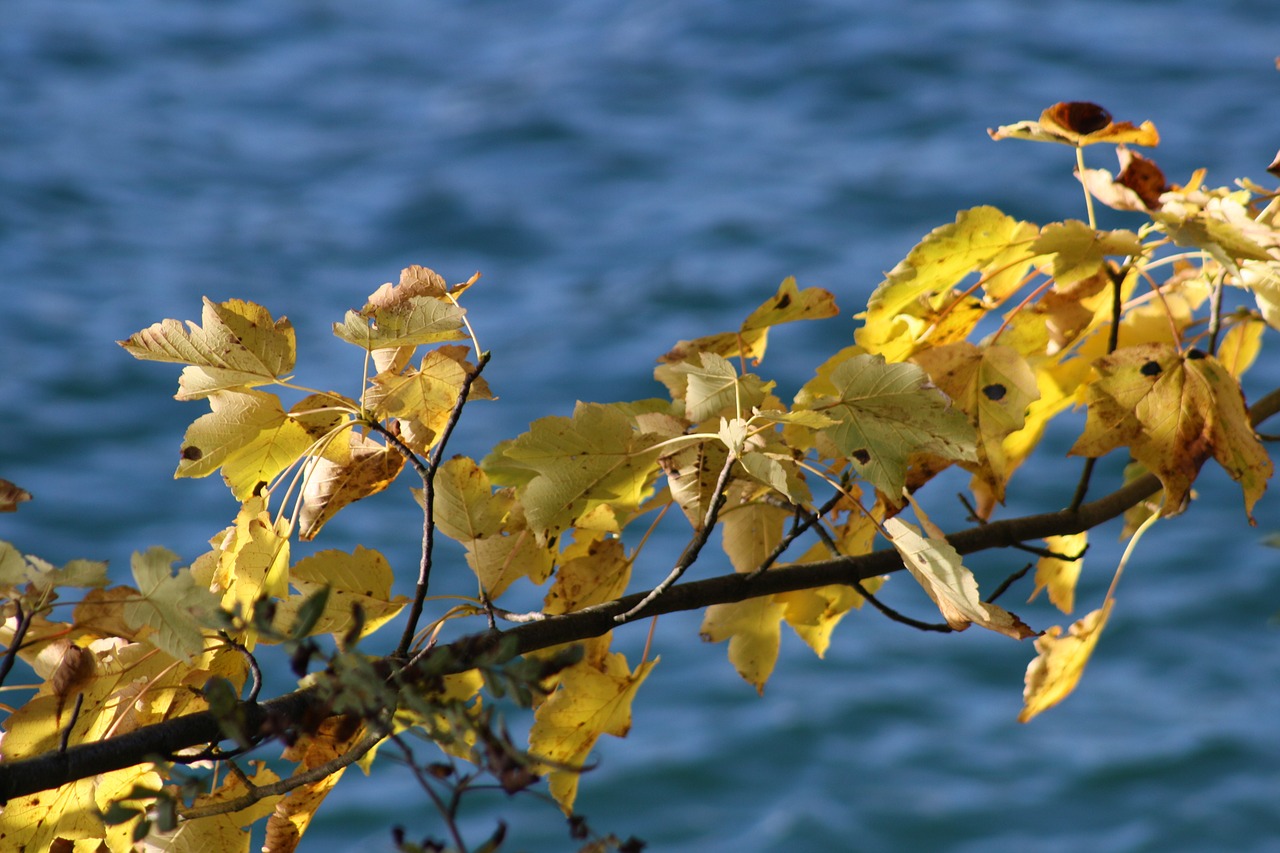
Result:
753,629
1078,251
173,606
884,414
238,346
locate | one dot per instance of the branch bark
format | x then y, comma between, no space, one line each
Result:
51,770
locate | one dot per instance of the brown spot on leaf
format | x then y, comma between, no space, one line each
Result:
1151,368
783,301
1195,354
1082,117
191,453
861,455
995,392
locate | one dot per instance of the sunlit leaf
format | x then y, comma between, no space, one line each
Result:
172,605
1059,574
1174,412
238,346
1079,123
329,485
1060,662
884,414
1078,251
360,579
753,629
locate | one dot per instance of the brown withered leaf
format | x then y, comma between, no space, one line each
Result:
12,495
1079,123
1274,168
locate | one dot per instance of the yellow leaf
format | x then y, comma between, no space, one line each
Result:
814,613
329,485
749,342
173,606
1173,412
598,456
248,435
225,833
994,386
936,565
362,578
1240,345
1079,251
750,530
239,346
884,414
424,398
590,573
408,322
1060,662
692,473
590,701
293,813
253,562
711,387
1059,575
753,629
978,238
1078,123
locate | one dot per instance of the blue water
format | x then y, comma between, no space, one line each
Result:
626,175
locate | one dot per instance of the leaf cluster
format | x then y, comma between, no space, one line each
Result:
985,334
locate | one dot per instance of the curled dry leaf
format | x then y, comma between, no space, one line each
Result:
11,495
1079,123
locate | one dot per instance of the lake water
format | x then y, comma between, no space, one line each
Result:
625,175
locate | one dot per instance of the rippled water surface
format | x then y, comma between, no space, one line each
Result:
625,175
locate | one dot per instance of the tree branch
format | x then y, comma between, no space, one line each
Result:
52,769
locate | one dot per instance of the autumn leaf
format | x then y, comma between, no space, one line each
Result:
329,486
1138,186
1174,412
751,529
712,387
1060,662
994,386
1059,574
294,813
936,565
239,346
173,606
18,569
788,305
410,321
501,548
1079,123
227,832
360,579
423,398
12,495
692,473
597,457
590,701
1078,251
753,629
884,413
814,613
252,562
916,294
248,435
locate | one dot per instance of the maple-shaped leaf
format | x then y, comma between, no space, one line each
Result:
18,569
710,386
917,292
1078,251
238,346
1219,222
252,562
598,456
937,567
884,414
591,700
407,322
172,605
788,305
360,579
1079,123
754,631
994,386
423,398
491,525
329,486
1241,344
1174,412
1059,574
248,435
1060,661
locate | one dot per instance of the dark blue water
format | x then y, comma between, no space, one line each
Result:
625,175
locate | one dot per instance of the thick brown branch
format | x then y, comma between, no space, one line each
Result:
50,770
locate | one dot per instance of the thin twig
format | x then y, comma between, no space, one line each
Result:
66,732
805,521
695,545
428,508
1008,582
448,812
19,633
